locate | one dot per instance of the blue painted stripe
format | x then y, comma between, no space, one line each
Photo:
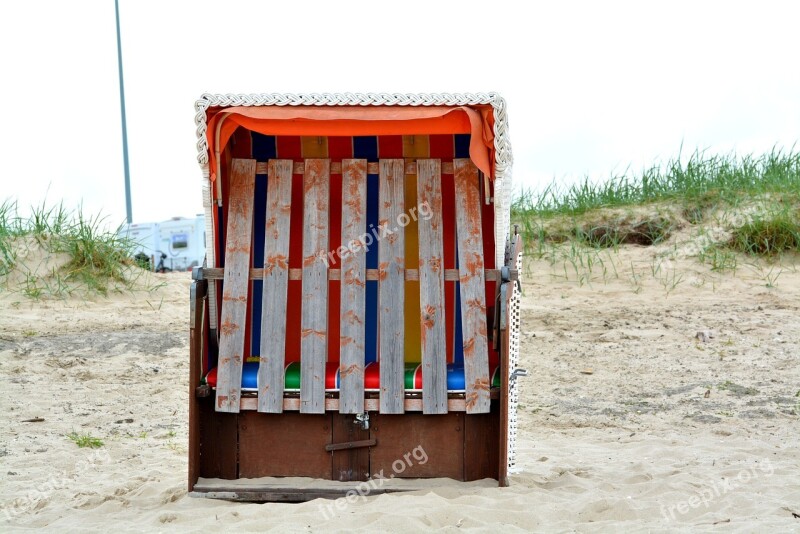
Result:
462,145
264,147
461,151
366,147
259,223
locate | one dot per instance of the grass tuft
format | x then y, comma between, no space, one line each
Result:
646,232
769,235
85,440
98,258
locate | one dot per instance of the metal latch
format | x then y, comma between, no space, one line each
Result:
351,445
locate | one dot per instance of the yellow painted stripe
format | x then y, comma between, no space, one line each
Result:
314,146
414,146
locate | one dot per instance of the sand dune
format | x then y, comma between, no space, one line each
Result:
667,433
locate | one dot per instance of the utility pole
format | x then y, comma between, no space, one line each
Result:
124,122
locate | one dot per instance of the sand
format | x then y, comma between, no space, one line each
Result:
628,422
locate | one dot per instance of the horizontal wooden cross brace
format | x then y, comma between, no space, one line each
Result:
292,404
299,167
450,275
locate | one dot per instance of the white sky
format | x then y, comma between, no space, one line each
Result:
592,87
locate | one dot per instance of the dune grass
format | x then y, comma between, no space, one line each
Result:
730,213
768,235
692,189
697,183
98,258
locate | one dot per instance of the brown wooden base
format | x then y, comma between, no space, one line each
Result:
335,447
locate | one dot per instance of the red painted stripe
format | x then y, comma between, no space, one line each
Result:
338,148
223,227
390,146
488,259
290,147
442,146
241,144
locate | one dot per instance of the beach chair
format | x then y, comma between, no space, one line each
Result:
357,318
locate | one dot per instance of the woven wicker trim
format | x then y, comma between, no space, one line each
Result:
503,156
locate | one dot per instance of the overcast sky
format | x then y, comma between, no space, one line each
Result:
592,88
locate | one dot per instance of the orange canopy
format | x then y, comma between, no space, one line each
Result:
356,120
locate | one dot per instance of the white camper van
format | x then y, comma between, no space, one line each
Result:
180,240
145,237
183,241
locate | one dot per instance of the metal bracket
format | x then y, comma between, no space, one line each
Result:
363,420
518,372
503,304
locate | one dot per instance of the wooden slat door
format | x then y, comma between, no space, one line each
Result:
276,283
314,314
236,283
353,285
431,288
391,283
473,286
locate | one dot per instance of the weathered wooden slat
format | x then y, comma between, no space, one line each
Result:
373,167
354,282
431,288
276,284
473,285
391,276
314,314
450,275
234,295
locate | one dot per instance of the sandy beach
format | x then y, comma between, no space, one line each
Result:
629,422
